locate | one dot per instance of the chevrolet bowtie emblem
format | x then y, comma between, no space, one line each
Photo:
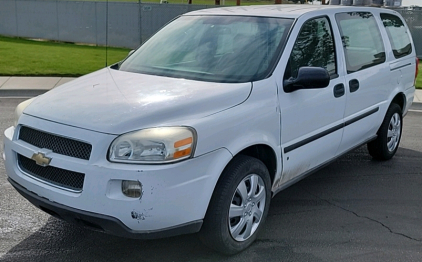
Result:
40,159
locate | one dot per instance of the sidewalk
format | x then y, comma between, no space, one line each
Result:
29,86
32,86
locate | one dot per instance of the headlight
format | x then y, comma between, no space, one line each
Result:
19,110
154,146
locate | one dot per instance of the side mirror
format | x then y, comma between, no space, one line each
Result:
307,78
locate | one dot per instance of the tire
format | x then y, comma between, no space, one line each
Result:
389,134
238,206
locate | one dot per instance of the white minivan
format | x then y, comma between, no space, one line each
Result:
221,109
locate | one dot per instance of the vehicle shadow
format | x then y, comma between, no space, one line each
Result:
315,212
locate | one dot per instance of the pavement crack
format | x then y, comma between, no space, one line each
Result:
365,217
270,241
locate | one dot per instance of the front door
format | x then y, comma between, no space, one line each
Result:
311,119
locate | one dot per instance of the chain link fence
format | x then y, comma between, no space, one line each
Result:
128,23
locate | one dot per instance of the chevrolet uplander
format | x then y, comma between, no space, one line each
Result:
221,109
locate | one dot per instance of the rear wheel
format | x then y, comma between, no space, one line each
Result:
389,134
238,207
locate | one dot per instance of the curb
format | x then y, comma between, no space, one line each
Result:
416,106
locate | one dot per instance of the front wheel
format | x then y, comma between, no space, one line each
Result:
389,134
238,207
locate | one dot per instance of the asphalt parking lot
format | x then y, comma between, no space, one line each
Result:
355,209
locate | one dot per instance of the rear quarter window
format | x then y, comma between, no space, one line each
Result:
398,35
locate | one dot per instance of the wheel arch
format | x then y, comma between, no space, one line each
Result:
264,153
400,100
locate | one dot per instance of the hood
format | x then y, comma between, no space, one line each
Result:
116,102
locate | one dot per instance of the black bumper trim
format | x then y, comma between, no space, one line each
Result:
102,223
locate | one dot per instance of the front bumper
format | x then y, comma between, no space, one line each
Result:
99,222
174,197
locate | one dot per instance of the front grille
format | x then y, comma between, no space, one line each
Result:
57,176
58,144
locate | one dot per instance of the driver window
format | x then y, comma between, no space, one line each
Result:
314,46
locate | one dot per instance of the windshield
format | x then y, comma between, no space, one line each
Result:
230,49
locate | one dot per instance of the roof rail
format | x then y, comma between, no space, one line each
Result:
378,3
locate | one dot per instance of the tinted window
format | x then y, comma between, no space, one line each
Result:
398,35
212,48
314,46
362,41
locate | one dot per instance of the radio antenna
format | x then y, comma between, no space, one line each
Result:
106,36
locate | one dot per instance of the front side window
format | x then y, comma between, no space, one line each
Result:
230,49
314,46
362,41
398,35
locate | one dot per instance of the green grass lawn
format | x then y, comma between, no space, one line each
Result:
21,57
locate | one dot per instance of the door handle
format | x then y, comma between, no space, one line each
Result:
338,90
353,85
